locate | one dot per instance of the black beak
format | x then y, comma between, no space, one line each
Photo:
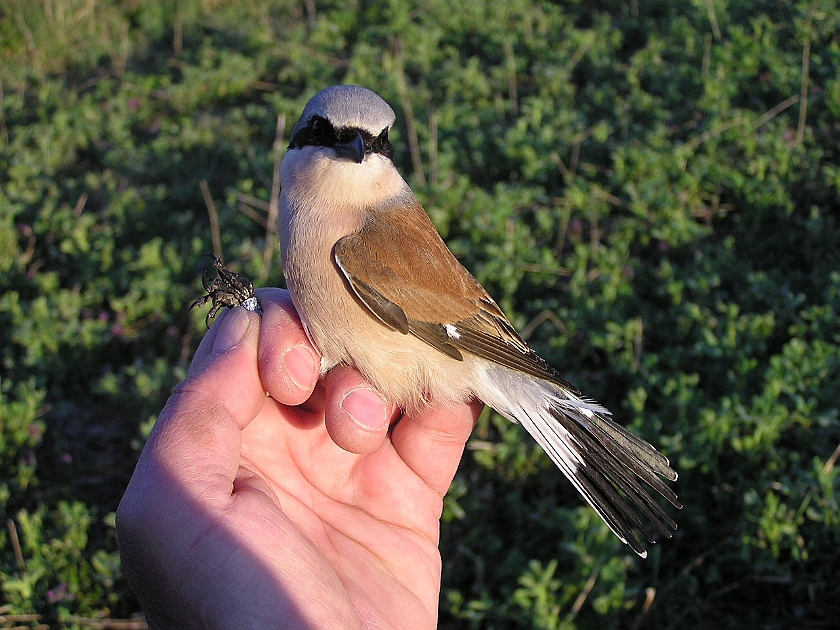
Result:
353,149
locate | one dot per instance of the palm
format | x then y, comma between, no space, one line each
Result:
372,518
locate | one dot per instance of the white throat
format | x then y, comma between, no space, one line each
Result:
314,178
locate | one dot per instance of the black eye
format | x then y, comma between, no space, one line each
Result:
381,144
317,132
318,128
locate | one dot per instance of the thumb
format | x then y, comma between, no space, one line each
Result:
188,466
224,372
197,438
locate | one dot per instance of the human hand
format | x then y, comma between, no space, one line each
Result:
244,512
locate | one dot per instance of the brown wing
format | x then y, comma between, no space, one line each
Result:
399,268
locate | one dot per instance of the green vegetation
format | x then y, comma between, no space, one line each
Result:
650,189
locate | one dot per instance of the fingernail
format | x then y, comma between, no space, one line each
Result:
301,365
366,408
231,330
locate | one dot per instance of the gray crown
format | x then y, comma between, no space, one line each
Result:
349,106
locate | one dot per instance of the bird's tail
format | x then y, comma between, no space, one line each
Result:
603,460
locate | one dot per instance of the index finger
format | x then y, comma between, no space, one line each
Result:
289,365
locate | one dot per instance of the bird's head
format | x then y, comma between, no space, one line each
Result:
351,121
340,156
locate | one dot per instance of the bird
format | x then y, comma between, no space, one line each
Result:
377,288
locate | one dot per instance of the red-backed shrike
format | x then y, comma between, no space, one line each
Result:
377,288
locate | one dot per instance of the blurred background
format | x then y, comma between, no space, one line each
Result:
651,190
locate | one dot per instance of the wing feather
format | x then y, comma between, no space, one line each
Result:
414,286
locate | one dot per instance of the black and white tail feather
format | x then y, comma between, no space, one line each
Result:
604,461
